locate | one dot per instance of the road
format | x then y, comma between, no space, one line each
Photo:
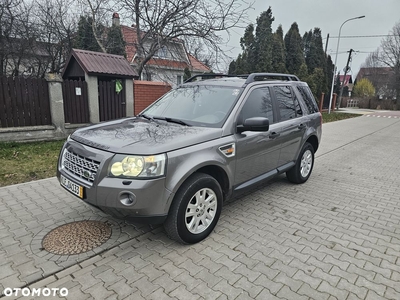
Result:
336,236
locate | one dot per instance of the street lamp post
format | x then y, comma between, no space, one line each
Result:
337,50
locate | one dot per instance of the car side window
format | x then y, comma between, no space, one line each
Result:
309,100
299,111
286,104
258,104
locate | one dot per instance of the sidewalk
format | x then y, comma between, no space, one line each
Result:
361,111
336,236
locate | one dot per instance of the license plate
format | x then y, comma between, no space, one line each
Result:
72,187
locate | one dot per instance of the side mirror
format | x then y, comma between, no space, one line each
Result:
254,124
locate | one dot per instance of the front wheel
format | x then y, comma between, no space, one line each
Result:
304,165
195,210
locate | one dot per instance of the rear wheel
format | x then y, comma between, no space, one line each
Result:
195,210
304,165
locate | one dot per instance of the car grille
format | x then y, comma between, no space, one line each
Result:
80,166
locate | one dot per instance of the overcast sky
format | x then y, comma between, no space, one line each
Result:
328,15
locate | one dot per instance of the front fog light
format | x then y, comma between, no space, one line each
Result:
127,198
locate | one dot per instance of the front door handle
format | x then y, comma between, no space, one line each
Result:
274,135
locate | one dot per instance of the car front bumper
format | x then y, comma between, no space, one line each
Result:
144,200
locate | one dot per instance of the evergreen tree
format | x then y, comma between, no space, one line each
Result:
315,58
316,82
338,83
313,50
278,52
303,72
329,73
240,66
85,39
115,43
294,50
263,41
307,43
232,68
186,74
247,42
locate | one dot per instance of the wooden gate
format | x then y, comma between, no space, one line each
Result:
112,105
76,105
24,102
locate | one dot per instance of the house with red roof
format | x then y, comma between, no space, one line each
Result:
382,78
347,83
168,63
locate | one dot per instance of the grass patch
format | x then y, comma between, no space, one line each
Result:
337,116
22,162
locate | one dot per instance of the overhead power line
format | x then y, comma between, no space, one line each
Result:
363,36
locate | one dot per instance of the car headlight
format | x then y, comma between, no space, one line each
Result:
132,166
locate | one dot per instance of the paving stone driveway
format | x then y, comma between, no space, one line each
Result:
335,237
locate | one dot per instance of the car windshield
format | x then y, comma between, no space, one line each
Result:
199,105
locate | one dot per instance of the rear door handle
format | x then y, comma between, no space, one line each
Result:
301,126
274,135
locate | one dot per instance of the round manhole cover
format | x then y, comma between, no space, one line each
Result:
76,237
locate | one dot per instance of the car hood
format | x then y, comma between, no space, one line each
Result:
141,136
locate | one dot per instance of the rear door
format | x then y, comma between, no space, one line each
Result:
292,121
257,152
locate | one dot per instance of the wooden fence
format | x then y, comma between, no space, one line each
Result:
112,105
76,106
24,102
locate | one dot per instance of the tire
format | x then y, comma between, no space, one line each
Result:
192,217
304,165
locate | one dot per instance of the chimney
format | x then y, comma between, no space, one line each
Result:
115,19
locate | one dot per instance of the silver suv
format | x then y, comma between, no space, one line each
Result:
177,161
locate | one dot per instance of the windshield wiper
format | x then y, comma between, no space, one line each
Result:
177,121
172,120
150,118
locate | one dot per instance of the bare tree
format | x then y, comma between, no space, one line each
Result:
160,23
98,10
382,67
376,72
16,35
56,27
35,36
389,55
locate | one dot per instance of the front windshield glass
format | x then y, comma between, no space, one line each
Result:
200,105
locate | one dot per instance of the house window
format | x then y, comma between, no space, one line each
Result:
179,79
162,52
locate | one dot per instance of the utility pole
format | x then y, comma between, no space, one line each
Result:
326,45
344,77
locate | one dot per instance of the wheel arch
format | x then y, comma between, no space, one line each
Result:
214,171
220,175
313,140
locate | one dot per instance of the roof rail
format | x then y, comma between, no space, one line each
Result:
209,76
249,77
270,76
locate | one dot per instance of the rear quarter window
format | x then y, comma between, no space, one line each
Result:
308,98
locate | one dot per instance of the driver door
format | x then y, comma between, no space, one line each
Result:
257,153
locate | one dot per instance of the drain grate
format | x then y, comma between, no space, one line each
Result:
76,237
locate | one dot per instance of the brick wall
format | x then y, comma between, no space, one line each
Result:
146,92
